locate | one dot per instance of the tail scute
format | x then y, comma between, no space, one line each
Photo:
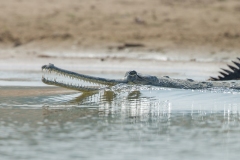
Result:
233,73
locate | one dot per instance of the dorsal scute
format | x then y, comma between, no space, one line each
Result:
233,73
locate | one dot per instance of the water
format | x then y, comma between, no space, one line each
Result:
38,122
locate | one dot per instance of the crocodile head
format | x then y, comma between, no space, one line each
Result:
53,75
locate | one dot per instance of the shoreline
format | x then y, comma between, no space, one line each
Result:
184,65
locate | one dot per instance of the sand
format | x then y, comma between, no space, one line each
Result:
157,24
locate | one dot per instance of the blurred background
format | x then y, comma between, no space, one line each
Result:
155,24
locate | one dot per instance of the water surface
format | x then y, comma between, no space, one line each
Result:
41,122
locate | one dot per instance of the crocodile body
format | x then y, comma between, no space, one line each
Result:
85,83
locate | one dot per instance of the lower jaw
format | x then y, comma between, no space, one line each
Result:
72,87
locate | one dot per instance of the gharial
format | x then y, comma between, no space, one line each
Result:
134,78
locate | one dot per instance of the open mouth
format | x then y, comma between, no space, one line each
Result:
55,76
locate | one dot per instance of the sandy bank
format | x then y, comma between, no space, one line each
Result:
157,25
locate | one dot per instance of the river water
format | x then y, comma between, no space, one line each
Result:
43,122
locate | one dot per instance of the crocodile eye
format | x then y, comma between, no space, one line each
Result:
132,73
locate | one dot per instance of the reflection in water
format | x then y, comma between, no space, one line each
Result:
132,104
150,124
136,105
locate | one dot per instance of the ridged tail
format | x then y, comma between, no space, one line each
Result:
232,73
